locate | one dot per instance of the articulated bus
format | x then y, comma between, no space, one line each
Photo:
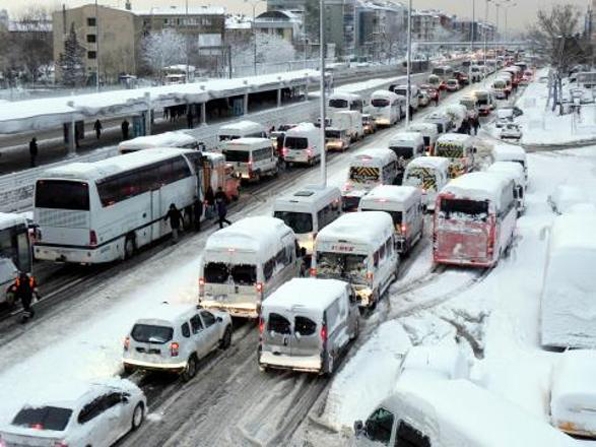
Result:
98,212
474,220
15,252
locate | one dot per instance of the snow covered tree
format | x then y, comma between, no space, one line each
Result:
32,42
163,49
71,61
271,48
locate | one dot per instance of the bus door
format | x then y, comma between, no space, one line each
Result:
156,214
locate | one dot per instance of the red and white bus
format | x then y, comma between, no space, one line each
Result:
474,220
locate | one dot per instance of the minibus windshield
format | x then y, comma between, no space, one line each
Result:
342,266
379,102
299,222
241,156
221,273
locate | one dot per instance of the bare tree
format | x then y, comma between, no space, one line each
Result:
163,49
271,48
32,39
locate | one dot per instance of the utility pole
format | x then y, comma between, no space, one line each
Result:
485,33
323,95
187,32
473,30
409,64
97,38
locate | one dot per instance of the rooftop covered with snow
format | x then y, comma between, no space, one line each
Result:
311,293
361,228
429,162
477,186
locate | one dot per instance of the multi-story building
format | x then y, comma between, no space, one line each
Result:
381,28
283,23
432,25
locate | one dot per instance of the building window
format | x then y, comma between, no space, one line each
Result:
91,38
91,21
91,55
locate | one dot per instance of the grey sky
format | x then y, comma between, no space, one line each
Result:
519,16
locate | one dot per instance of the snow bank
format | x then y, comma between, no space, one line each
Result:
368,378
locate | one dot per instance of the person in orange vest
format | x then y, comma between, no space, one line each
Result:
25,287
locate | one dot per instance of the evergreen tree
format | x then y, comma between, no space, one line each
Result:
71,61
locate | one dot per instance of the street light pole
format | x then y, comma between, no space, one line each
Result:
473,30
187,32
322,88
254,38
97,45
485,33
409,64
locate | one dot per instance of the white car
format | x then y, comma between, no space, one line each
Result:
174,337
511,131
97,415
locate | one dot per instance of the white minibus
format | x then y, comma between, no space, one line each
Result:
244,263
358,248
345,101
308,210
167,139
515,172
459,149
385,108
251,158
407,146
444,72
510,152
430,174
429,133
368,168
351,121
302,144
102,211
402,90
241,129
404,205
499,88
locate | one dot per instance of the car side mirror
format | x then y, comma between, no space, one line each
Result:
358,428
219,319
125,398
298,335
474,150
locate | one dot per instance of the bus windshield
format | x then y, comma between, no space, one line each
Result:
299,222
240,156
380,102
296,143
362,174
449,150
332,133
338,103
222,273
463,209
62,194
342,266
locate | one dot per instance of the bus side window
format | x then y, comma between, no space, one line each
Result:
376,258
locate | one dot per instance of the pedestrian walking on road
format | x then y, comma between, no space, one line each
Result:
189,119
221,203
97,127
24,288
210,201
175,217
125,126
197,208
33,150
476,125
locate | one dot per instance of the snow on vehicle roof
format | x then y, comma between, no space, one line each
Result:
251,234
310,293
113,165
364,227
372,156
448,360
422,127
409,137
10,219
166,139
166,312
383,94
301,128
510,167
240,125
573,230
429,162
465,410
245,143
454,138
477,186
573,379
344,95
392,193
308,194
503,152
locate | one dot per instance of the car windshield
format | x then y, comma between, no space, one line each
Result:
379,425
405,152
421,177
149,333
221,273
332,134
43,418
364,174
379,102
301,223
400,91
468,103
239,156
338,103
449,150
296,143
342,266
464,210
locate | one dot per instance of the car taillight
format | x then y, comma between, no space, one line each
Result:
369,277
92,237
285,151
126,343
174,349
201,286
261,325
403,228
309,152
259,287
56,444
324,333
313,272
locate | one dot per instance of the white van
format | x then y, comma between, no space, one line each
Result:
337,139
440,120
302,144
241,129
251,158
471,105
307,324
407,146
509,152
245,263
499,88
486,102
167,139
358,248
368,168
515,172
568,307
404,205
459,149
429,133
430,174
426,411
402,90
345,101
308,210
385,108
351,121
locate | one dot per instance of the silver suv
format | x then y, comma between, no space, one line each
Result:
175,339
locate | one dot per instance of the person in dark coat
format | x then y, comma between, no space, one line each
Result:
33,150
97,127
189,119
210,200
125,125
197,209
476,125
221,203
24,288
175,217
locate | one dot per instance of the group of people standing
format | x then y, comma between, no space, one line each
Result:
469,125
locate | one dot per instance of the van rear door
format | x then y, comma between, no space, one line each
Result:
278,333
307,339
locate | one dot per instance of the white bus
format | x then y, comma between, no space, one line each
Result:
167,139
245,263
15,252
385,108
98,212
308,210
345,101
241,129
358,248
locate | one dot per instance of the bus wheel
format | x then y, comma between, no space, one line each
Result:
9,298
129,246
